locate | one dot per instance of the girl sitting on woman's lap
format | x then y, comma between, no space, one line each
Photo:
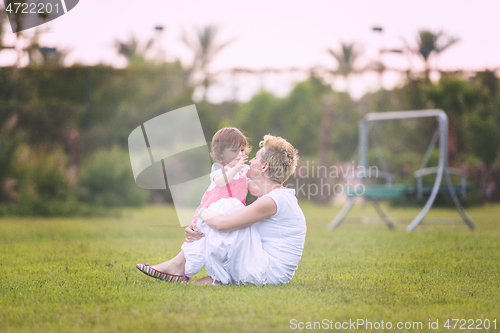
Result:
258,244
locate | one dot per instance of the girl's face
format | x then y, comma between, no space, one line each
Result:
232,155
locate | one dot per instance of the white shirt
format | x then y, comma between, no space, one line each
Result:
283,236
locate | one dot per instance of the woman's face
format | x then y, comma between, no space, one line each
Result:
232,155
255,165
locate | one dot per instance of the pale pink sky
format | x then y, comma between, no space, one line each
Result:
280,33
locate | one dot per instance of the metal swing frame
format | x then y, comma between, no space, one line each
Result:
441,170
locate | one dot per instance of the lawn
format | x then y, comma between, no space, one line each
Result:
79,275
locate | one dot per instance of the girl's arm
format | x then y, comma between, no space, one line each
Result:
219,179
263,208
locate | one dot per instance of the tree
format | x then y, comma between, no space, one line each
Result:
483,141
346,60
458,98
205,48
431,44
9,141
133,51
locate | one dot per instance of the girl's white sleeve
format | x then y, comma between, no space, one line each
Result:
216,170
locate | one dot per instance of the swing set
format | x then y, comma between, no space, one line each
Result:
375,192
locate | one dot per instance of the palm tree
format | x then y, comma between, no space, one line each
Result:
346,60
205,48
132,51
431,44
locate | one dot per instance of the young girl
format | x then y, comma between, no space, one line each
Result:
229,149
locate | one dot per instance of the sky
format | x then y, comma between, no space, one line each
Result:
279,34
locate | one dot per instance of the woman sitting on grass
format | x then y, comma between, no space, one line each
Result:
261,243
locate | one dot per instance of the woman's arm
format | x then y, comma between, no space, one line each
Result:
262,208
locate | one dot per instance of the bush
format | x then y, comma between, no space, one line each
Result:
106,179
43,187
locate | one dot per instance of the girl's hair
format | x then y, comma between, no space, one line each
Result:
281,156
228,137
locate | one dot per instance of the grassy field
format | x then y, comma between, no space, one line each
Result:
79,275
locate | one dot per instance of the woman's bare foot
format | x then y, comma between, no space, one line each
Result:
207,280
174,266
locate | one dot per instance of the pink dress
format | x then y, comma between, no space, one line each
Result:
237,188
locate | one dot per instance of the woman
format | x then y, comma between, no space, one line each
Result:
261,243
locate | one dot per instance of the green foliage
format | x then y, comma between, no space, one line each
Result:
85,109
301,114
44,122
213,117
455,95
345,128
483,138
106,179
43,186
8,145
297,117
130,49
259,116
92,100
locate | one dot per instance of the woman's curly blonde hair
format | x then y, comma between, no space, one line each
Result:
280,155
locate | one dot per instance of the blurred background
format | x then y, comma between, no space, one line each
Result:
73,89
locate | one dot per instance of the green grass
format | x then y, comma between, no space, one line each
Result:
79,275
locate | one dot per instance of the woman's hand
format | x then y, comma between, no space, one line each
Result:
192,233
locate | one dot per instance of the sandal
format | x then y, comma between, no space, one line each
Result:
150,271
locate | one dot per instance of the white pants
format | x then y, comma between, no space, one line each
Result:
229,257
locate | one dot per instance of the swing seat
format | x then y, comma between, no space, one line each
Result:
443,189
383,191
389,192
